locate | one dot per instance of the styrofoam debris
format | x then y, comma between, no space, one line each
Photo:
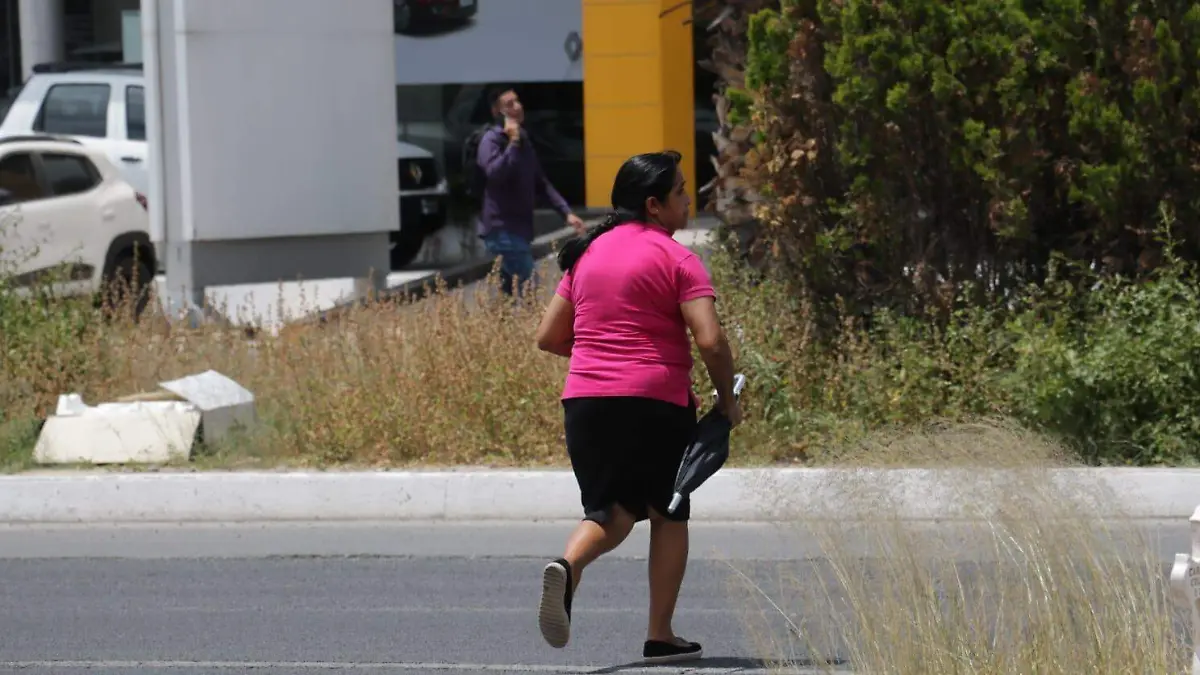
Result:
146,431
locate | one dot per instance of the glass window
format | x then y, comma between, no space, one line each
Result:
135,113
18,177
68,174
554,119
10,53
439,118
75,110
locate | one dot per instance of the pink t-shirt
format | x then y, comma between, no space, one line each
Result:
630,337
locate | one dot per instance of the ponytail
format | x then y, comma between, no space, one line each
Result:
573,250
642,177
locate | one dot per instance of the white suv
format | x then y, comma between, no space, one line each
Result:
64,207
103,106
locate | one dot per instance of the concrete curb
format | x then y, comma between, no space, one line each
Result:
758,495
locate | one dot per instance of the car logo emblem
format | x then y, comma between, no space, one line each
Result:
414,170
573,46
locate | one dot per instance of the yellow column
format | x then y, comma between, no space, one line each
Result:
637,87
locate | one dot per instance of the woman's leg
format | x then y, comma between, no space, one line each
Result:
590,540
673,427
598,442
595,443
560,578
668,563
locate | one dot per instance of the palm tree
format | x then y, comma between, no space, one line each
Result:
732,198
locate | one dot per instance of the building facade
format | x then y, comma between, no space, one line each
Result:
600,79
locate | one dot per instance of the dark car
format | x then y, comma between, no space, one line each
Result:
423,203
412,15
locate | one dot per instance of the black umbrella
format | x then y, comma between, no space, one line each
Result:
708,450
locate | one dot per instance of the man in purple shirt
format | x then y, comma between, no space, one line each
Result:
513,184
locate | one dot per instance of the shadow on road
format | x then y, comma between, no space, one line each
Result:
725,663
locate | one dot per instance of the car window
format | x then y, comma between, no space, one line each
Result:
75,110
135,113
68,174
18,177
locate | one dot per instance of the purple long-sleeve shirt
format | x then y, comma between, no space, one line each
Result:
515,184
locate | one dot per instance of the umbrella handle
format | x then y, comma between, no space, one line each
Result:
739,383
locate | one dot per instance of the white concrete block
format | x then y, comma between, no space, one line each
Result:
224,404
117,433
145,432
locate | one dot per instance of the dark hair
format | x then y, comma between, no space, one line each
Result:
641,177
494,93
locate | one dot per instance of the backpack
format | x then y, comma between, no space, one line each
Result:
476,179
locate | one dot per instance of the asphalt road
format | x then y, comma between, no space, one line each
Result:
390,598
297,598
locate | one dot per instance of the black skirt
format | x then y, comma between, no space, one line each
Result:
626,450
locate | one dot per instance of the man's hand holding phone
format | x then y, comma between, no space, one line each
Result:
512,128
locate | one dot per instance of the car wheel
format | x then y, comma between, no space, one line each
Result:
127,287
401,15
405,247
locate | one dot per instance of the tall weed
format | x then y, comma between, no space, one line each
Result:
1107,366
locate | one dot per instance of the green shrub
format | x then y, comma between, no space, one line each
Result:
1107,365
961,220
914,146
40,331
1122,380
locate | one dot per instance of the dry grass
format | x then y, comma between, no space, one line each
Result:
987,443
449,379
452,379
1022,577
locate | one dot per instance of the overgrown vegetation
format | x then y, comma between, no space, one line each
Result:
912,148
454,378
943,212
1111,370
960,210
1023,574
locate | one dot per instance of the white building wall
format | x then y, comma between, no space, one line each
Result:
284,116
272,141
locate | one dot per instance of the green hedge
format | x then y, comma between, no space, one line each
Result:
917,143
1112,373
972,209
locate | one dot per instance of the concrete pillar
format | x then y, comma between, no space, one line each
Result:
288,209
41,32
637,87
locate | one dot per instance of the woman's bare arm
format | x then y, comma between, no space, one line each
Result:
700,315
556,333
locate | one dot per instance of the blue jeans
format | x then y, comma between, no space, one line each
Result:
516,258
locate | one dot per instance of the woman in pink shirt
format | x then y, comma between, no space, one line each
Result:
622,312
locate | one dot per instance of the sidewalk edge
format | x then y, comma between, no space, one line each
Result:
746,495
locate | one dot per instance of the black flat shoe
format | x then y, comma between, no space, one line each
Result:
657,651
554,611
